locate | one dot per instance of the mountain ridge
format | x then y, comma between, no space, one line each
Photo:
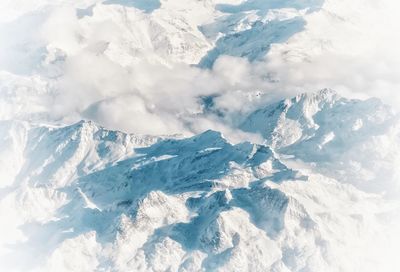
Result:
151,203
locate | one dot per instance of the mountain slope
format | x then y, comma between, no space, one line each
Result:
330,132
85,198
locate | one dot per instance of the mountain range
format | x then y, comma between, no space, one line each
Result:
201,135
81,197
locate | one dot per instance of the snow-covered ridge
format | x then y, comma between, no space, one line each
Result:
157,31
331,132
84,198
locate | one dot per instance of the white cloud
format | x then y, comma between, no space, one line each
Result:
99,68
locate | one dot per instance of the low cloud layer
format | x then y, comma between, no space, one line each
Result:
127,69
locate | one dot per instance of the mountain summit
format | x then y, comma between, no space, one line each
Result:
330,132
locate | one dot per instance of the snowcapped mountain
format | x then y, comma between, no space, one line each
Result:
331,132
197,151
84,198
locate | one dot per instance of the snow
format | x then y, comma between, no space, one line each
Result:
233,178
119,201
331,132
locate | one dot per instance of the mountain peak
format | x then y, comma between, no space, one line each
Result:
303,113
294,112
331,131
324,95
